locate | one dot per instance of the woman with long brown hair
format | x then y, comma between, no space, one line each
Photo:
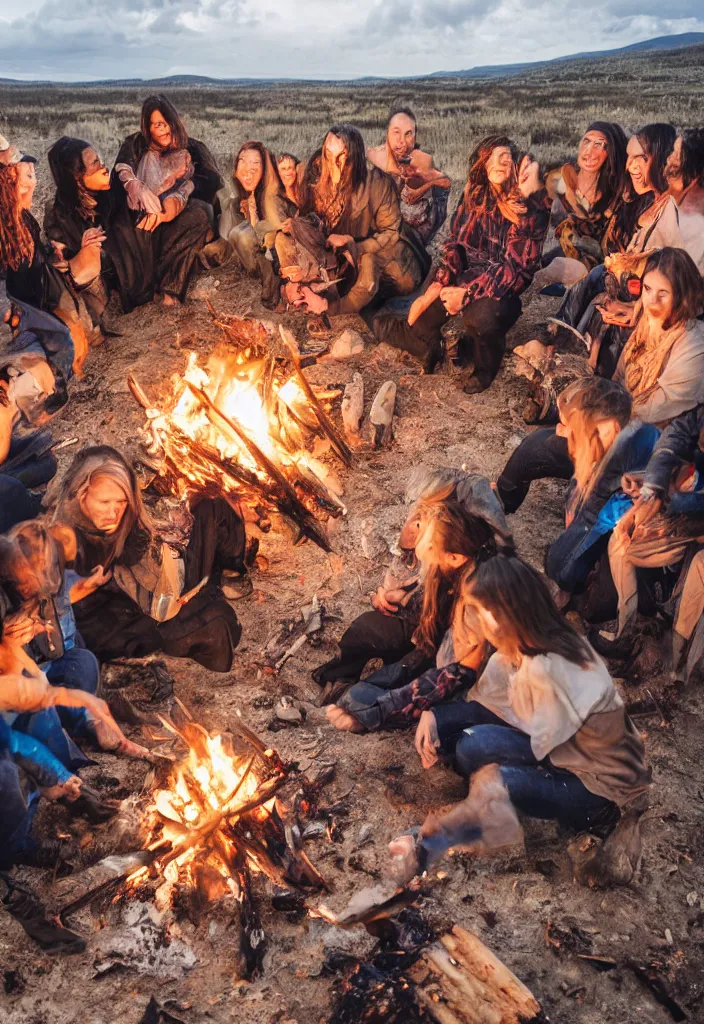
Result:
544,714
154,182
254,206
493,251
449,539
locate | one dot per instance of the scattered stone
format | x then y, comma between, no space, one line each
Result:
352,406
374,546
287,711
380,424
349,344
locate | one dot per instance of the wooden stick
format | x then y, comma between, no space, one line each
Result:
340,446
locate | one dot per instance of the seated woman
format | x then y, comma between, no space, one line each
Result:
253,209
137,595
357,208
423,188
587,193
78,222
661,367
409,594
290,169
153,183
451,539
48,338
544,714
489,259
645,219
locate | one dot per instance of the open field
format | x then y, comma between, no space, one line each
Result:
511,902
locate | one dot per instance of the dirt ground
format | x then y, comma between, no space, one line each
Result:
511,902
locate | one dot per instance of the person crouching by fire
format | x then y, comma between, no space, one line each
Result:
358,210
543,731
141,594
490,258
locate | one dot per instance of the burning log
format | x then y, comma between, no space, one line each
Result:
381,415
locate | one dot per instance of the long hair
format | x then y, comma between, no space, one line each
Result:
613,171
479,191
16,242
88,466
685,280
32,551
454,530
583,406
319,194
270,180
658,141
520,602
67,170
179,135
692,167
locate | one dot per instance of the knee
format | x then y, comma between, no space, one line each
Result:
471,752
88,668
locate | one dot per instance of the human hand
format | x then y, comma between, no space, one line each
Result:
70,790
93,237
59,260
99,577
529,176
339,241
424,302
141,197
21,627
151,221
639,515
620,314
453,299
427,740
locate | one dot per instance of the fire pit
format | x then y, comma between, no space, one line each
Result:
242,426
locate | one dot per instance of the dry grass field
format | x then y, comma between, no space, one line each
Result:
526,907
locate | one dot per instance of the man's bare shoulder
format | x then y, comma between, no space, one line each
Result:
377,156
423,161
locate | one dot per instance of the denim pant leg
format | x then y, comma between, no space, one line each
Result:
480,745
77,669
47,727
580,295
554,795
16,814
540,455
453,718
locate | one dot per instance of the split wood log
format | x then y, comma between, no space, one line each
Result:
381,415
352,407
327,425
459,981
79,890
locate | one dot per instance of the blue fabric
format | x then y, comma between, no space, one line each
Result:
77,669
45,335
16,814
47,727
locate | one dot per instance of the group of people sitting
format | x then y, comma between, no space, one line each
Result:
477,652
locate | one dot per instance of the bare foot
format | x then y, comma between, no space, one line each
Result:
170,300
343,720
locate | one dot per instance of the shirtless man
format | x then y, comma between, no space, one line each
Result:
424,189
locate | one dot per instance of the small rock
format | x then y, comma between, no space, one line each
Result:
206,288
692,899
349,343
287,711
374,547
365,834
314,830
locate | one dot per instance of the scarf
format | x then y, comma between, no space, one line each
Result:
646,355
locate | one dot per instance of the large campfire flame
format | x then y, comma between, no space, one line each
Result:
242,426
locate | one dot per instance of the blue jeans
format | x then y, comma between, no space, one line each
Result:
16,814
477,737
77,669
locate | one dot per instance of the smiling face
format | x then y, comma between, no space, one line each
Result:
96,177
499,166
26,184
249,169
638,166
335,153
160,130
657,296
104,503
401,135
287,171
592,152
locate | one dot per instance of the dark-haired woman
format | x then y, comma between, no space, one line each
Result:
253,209
544,714
140,594
493,251
685,174
154,184
357,207
588,191
450,528
290,170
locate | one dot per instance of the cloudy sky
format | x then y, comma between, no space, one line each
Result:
90,39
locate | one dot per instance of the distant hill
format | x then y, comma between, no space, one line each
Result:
674,42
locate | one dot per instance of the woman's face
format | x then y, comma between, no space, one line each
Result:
657,296
26,184
499,166
160,130
287,171
96,177
638,165
105,504
593,151
249,169
335,153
